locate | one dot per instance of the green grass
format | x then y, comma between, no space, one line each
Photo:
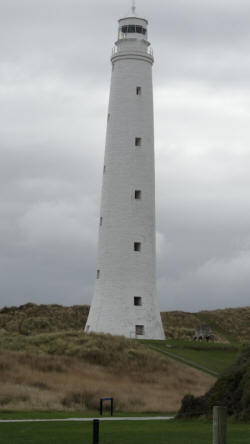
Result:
144,432
212,356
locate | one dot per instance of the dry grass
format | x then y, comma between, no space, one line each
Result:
228,324
31,318
233,323
48,363
181,325
52,382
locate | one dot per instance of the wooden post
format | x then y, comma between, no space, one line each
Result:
96,431
219,425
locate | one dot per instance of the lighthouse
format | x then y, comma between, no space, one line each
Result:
124,301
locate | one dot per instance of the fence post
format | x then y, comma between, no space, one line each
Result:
96,431
219,425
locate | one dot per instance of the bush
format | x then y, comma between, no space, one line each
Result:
232,390
28,326
42,363
192,406
81,399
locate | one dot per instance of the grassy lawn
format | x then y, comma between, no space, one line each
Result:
145,432
212,356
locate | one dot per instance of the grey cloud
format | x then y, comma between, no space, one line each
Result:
54,82
214,284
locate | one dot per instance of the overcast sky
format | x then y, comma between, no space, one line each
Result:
54,88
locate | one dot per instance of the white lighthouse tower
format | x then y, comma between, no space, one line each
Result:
124,301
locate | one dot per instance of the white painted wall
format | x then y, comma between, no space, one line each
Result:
125,273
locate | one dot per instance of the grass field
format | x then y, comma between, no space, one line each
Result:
213,356
137,432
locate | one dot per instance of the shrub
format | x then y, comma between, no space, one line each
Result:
192,406
40,385
42,363
5,400
232,390
82,399
4,365
28,326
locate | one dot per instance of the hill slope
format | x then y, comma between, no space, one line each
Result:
212,358
70,371
31,318
228,325
47,362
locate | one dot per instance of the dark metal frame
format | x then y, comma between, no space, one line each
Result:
111,405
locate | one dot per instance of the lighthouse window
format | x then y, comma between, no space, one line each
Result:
101,221
138,141
137,301
139,330
131,28
137,194
97,274
137,246
138,90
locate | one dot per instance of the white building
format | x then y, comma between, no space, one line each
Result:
124,301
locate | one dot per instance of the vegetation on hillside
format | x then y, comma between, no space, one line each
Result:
32,318
72,370
231,323
231,390
116,352
47,362
228,325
